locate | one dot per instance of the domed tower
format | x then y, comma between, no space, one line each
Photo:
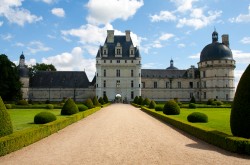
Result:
24,76
216,68
172,67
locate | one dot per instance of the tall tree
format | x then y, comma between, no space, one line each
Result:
10,85
41,67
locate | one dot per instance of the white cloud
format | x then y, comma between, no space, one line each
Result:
72,61
19,44
1,23
241,57
49,1
59,12
181,45
241,17
184,5
14,13
166,36
37,46
195,56
105,12
157,44
199,21
245,40
6,37
163,16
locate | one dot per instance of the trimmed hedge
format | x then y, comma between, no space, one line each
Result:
191,106
8,106
158,108
50,106
20,139
22,102
212,136
197,117
82,108
44,117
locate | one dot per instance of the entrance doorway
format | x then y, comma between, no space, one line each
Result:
118,98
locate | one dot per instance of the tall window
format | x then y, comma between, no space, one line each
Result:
132,73
190,84
155,84
205,95
104,51
104,72
167,84
204,73
132,95
132,52
104,83
118,73
118,61
104,93
179,84
132,84
117,83
198,85
118,51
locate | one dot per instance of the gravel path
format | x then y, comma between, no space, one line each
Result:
121,134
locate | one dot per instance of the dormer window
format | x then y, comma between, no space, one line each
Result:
118,50
105,51
131,51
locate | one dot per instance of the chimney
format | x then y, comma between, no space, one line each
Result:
110,37
225,39
127,35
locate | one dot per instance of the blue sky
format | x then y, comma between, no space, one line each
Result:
68,33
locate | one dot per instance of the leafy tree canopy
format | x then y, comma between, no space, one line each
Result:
10,85
41,67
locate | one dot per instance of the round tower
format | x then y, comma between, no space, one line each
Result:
216,68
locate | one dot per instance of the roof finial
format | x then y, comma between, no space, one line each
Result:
214,29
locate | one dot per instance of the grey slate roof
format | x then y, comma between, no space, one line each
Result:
125,48
60,79
163,73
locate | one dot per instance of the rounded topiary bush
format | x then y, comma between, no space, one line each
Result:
22,102
101,101
191,106
197,117
50,106
5,121
89,103
8,106
44,117
69,108
158,108
219,103
136,100
210,101
82,108
146,101
152,104
240,113
171,108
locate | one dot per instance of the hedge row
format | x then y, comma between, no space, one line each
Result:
20,139
212,136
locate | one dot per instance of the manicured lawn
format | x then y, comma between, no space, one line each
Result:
218,118
24,118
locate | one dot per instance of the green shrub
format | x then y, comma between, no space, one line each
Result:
105,98
22,102
192,100
50,106
89,103
140,100
213,103
95,101
197,117
82,108
146,101
240,113
191,106
101,101
210,101
152,104
136,100
171,108
47,102
8,106
159,108
5,121
44,117
69,108
219,103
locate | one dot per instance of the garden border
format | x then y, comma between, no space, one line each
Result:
20,139
209,135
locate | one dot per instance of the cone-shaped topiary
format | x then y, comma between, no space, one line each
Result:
44,117
171,108
135,100
140,100
5,121
240,113
152,105
89,103
95,101
146,101
192,100
105,98
69,108
101,101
